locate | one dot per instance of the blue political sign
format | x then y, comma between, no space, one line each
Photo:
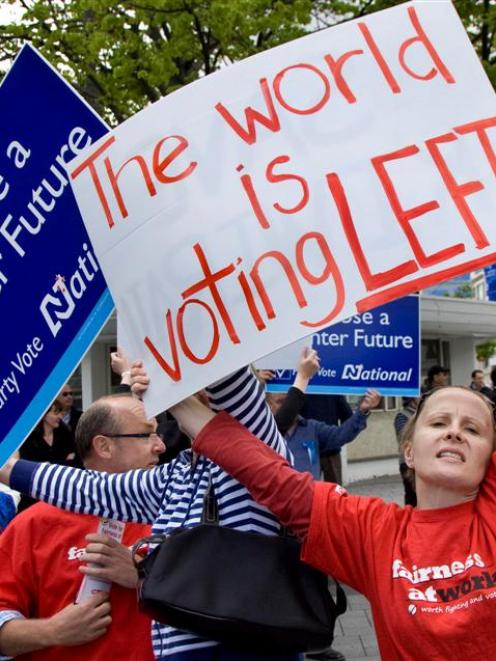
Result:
377,349
53,297
490,276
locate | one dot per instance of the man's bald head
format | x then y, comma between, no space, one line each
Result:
115,435
100,417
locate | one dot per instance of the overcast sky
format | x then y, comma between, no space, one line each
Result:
8,12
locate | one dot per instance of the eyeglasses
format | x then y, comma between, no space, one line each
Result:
147,435
66,394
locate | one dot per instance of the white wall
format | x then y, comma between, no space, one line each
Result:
463,360
95,374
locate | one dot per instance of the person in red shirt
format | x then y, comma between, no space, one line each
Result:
42,549
429,572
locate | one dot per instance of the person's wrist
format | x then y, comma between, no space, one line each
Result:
126,378
301,383
6,471
49,634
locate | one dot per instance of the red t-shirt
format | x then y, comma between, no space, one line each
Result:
39,576
430,575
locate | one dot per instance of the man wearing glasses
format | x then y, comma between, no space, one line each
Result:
42,551
70,414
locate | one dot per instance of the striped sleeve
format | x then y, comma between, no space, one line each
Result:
242,396
133,496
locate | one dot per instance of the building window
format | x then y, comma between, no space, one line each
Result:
75,382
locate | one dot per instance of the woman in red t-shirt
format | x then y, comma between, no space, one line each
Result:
429,572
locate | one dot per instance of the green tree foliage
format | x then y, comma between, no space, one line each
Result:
122,55
462,291
485,351
479,17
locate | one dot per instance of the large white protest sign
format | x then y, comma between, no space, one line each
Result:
289,191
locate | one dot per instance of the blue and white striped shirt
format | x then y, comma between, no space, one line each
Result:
171,495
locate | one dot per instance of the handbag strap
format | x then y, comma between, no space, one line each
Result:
144,541
210,512
203,463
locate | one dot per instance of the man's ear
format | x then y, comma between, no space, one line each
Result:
102,446
408,454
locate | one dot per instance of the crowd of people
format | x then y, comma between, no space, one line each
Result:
426,568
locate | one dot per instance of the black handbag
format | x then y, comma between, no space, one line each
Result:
246,590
